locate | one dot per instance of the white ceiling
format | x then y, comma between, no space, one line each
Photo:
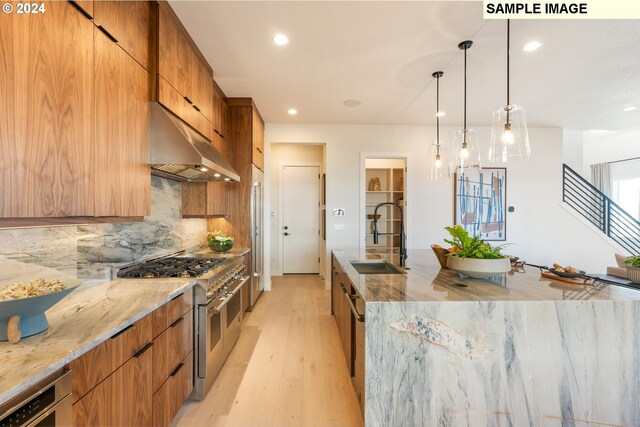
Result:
383,53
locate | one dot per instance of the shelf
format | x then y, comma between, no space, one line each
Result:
380,192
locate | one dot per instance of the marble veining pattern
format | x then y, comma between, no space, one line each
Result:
544,363
81,321
91,251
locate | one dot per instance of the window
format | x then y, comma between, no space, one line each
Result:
625,186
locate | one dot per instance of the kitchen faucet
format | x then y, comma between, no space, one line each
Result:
403,238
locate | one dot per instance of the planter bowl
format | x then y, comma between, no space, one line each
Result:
220,246
479,268
633,273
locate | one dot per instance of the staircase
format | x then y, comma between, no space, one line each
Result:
600,210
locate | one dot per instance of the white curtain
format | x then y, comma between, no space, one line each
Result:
600,177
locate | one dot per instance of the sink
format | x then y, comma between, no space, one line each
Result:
376,267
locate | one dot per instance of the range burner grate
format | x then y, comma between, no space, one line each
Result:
170,267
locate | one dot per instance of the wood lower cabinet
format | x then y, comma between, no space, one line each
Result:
123,180
134,378
169,398
46,114
171,347
128,23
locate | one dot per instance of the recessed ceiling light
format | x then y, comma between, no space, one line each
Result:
292,111
227,179
203,169
352,103
217,175
633,107
440,114
281,40
531,46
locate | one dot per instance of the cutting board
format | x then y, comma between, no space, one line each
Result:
578,282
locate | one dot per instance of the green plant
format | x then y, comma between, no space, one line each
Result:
633,261
471,247
218,235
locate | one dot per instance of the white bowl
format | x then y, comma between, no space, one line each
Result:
479,268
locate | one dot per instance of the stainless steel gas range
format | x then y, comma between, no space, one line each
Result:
218,298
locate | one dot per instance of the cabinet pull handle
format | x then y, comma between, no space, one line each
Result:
143,350
188,100
175,371
81,10
121,332
195,107
174,324
106,33
357,316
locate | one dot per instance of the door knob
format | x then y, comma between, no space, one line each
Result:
287,234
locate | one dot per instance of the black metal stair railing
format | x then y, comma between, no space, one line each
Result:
600,210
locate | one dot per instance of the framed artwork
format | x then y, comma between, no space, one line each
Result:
480,202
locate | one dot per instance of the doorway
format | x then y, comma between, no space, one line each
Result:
384,203
300,219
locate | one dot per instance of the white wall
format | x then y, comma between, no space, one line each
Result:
573,149
540,229
291,154
600,147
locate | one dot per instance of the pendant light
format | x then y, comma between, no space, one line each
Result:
438,165
509,135
466,151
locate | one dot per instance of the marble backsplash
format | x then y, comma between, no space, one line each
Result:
91,251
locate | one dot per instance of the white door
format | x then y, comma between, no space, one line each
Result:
300,219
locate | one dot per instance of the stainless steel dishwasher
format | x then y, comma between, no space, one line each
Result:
47,403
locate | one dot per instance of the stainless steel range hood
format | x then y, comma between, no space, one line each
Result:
179,152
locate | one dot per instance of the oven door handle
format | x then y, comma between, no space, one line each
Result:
217,304
52,409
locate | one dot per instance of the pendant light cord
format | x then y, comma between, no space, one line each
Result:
464,136
438,114
508,69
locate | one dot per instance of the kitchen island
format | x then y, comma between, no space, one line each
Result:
517,349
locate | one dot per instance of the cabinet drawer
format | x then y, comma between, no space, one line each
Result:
176,103
168,400
166,315
97,364
171,347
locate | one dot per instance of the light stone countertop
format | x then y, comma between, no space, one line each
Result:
426,281
81,321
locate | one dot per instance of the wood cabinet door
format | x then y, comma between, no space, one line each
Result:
46,114
123,180
257,132
217,198
98,407
135,380
203,92
128,23
85,5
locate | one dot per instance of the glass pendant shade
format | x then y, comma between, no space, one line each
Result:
438,163
466,151
509,135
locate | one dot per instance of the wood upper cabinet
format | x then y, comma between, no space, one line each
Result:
204,199
86,6
257,130
181,66
128,23
220,112
46,114
123,179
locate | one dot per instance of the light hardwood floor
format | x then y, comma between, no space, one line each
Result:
287,368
